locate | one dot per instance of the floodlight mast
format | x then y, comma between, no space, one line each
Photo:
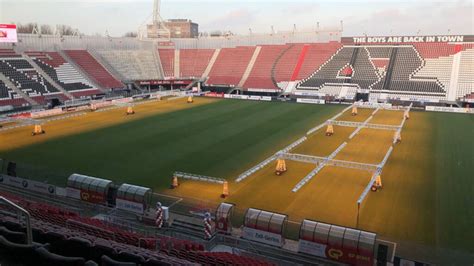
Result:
156,11
155,28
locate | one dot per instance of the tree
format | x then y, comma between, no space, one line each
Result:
131,34
26,28
66,30
46,29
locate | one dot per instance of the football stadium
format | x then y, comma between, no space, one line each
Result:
174,146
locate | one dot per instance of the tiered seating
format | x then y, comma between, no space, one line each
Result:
167,61
435,50
25,77
8,53
439,67
9,97
86,93
317,54
95,70
406,64
5,92
193,62
286,62
14,102
260,76
70,235
132,64
60,71
466,74
230,66
330,73
70,244
365,73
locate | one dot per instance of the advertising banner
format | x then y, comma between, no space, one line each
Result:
449,109
262,237
91,196
8,33
28,184
334,253
84,195
129,206
406,39
313,101
45,113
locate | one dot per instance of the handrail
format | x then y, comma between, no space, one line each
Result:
29,234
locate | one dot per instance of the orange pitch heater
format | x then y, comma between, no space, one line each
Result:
330,130
354,110
225,190
130,110
377,184
280,167
38,130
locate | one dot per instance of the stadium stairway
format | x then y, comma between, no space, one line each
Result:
79,69
167,61
47,77
12,86
250,66
176,69
211,63
106,64
299,63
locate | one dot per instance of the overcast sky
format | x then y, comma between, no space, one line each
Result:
382,17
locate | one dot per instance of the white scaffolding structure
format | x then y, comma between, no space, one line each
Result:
202,178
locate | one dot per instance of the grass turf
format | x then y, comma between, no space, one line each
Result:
219,138
426,200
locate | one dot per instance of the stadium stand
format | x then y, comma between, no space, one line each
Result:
193,62
167,61
8,53
330,72
317,54
25,77
93,68
230,65
132,64
439,71
6,93
466,74
260,76
421,70
60,71
70,237
285,63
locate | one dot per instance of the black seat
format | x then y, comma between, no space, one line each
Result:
47,258
106,261
13,236
22,253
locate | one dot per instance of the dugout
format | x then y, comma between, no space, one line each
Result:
224,214
325,240
133,198
90,189
265,227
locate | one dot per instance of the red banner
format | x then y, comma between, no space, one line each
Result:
92,196
8,33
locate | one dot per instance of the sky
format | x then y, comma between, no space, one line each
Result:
360,17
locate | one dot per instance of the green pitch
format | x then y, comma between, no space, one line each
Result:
427,200
221,138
